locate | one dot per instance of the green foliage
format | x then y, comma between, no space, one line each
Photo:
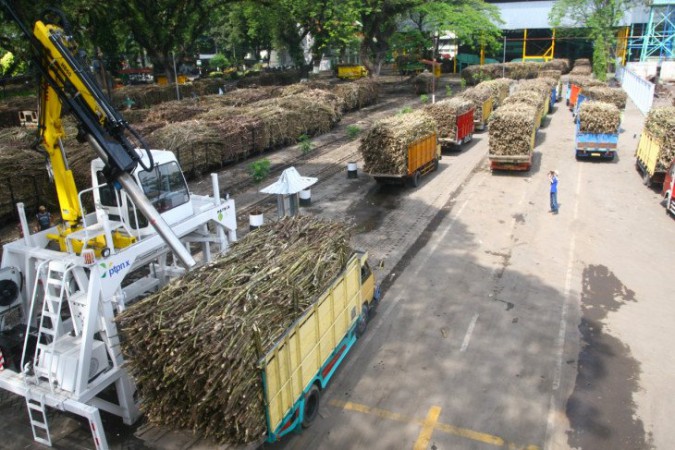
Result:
219,62
424,98
600,17
260,169
216,74
448,90
462,83
404,110
306,145
353,131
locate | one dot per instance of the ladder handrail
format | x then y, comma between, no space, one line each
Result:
68,268
30,313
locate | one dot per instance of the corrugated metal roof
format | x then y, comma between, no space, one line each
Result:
534,14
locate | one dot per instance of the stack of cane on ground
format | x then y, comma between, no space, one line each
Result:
193,347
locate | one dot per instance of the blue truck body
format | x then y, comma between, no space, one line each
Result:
595,145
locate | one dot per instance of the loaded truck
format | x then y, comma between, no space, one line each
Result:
647,159
422,157
595,145
62,287
302,362
519,162
463,131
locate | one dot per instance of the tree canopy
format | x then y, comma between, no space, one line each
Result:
166,28
600,17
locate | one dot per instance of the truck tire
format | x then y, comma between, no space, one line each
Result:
415,179
435,168
311,406
668,198
362,322
646,179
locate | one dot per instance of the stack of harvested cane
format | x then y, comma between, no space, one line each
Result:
478,95
660,124
424,83
193,347
499,88
582,66
511,129
445,114
385,146
616,96
599,118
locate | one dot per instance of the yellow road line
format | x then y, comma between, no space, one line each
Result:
428,426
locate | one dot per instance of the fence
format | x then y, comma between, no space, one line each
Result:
638,89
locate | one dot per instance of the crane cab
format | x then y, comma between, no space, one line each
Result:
164,186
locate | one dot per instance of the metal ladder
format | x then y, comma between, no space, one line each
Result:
37,414
50,324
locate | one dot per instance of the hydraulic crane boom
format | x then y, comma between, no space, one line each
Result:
65,79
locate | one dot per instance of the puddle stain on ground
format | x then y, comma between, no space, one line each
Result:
369,212
601,410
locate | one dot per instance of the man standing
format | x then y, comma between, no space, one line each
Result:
553,179
44,219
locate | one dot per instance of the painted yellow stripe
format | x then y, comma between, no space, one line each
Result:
432,424
428,426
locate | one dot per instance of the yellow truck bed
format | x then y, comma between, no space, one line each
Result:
314,345
647,159
422,152
482,115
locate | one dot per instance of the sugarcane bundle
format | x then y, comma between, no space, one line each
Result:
583,81
445,114
356,94
193,347
499,88
554,74
522,70
616,96
424,83
561,64
135,115
511,129
660,124
385,146
599,118
478,96
476,74
528,97
582,66
542,86
24,176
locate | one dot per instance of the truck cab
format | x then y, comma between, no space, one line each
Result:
164,186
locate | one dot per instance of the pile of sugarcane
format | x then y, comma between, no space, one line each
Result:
529,97
582,66
478,95
660,124
385,146
445,114
561,64
599,118
499,88
193,347
555,74
424,83
511,129
616,96
584,81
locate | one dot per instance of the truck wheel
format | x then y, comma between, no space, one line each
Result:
415,179
435,165
311,408
362,322
646,179
668,204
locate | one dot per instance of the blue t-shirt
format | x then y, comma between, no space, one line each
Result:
554,184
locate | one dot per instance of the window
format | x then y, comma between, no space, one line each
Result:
165,186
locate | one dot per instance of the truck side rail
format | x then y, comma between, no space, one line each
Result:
310,351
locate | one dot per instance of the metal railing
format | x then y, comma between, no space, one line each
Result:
640,91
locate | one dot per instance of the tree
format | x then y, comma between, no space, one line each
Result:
600,17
